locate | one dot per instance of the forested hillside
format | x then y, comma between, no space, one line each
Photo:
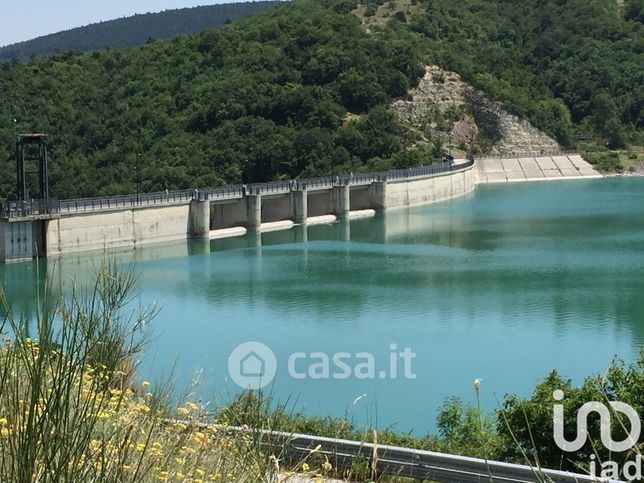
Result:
260,99
304,89
133,31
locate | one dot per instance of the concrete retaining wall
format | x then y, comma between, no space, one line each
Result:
361,198
96,231
320,203
277,208
228,215
429,190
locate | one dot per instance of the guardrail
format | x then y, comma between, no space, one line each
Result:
224,192
126,201
402,462
18,209
413,463
21,209
271,187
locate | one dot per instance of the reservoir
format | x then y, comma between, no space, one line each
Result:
505,285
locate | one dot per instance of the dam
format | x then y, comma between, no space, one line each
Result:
38,228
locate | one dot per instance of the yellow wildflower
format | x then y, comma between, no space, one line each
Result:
143,408
199,436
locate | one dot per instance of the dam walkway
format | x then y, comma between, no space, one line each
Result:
53,227
37,209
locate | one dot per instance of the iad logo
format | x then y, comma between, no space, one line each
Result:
605,425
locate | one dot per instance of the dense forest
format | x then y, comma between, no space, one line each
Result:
135,30
303,89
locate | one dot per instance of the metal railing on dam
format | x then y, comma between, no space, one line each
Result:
33,208
54,208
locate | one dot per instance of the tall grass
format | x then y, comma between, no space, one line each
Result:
71,409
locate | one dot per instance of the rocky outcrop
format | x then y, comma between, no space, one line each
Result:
444,105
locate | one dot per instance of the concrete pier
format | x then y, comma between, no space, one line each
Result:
379,195
254,207
342,201
300,206
200,218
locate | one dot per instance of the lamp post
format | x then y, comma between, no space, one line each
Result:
15,140
137,178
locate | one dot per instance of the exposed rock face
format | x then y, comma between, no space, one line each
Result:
438,89
518,135
469,112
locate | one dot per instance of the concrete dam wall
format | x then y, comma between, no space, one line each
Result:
429,190
96,231
77,225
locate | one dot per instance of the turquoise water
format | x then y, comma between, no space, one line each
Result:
504,285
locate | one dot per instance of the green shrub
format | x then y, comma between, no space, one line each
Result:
603,159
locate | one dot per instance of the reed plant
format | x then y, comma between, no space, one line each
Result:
72,409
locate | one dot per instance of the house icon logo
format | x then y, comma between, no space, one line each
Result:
252,365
